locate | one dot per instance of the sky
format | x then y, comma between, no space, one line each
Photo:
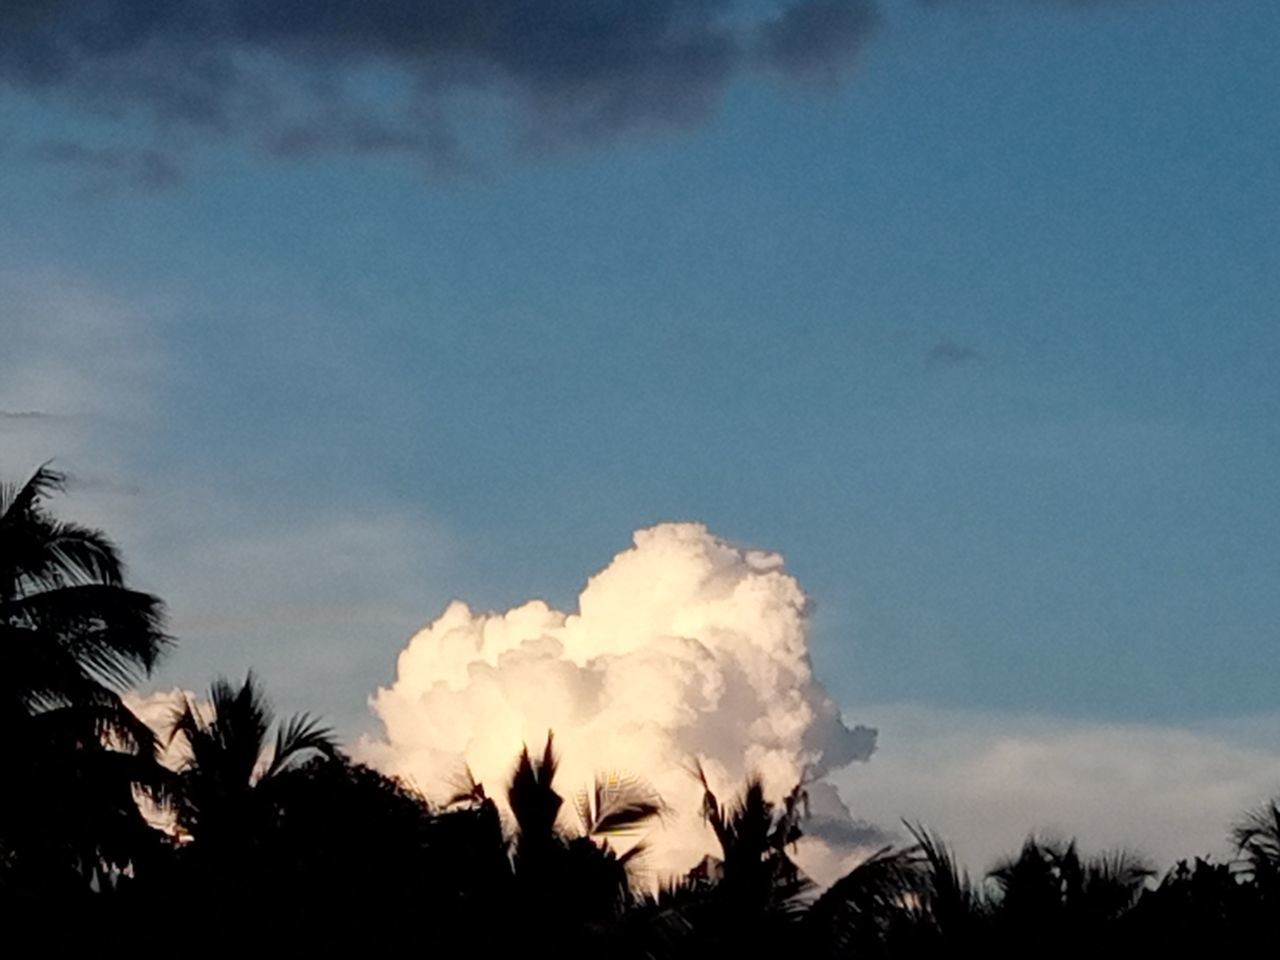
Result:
964,307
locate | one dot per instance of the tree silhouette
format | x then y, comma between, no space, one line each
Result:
1257,837
73,637
948,908
1050,899
870,910
571,880
750,898
236,785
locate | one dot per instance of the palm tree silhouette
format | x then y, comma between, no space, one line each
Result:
569,882
751,898
1257,838
868,911
947,907
1051,896
754,834
235,784
74,636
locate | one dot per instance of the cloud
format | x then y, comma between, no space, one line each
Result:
949,353
159,710
149,168
816,39
684,648
986,780
1068,4
370,75
315,603
25,415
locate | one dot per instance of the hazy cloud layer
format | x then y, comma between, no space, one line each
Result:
984,780
77,367
312,597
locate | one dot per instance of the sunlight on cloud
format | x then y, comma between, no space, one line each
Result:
684,648
158,710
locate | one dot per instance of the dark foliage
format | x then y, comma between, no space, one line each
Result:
73,637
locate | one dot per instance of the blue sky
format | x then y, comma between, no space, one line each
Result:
976,326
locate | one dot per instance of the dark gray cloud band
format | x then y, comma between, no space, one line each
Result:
376,75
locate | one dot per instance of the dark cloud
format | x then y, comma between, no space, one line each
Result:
846,833
814,39
948,353
323,71
996,4
830,820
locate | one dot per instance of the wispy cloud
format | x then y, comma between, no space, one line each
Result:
317,599
145,167
77,369
950,353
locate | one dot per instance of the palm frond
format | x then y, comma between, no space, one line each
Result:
713,812
860,909
301,735
84,555
466,789
227,739
617,805
19,500
118,633
1257,840
533,801
949,899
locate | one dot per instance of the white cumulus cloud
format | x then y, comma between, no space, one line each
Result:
684,649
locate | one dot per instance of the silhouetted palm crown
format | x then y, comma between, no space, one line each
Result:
233,777
74,636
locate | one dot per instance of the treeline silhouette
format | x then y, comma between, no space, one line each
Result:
269,835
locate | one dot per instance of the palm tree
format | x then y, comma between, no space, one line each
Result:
751,898
235,784
74,637
571,886
1257,838
1201,908
535,805
754,835
867,911
1050,898
948,907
